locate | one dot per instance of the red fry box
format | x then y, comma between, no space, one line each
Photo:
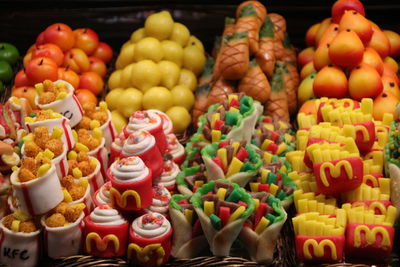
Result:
39,195
149,240
307,160
70,236
131,184
320,248
95,179
365,136
351,104
62,123
19,249
109,132
371,241
69,106
101,154
378,206
148,121
105,233
338,176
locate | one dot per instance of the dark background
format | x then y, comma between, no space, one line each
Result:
21,21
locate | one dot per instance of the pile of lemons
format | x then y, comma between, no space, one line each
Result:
157,69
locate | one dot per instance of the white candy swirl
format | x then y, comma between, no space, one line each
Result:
105,215
137,143
161,200
167,123
170,171
103,195
175,148
118,142
151,225
129,169
143,120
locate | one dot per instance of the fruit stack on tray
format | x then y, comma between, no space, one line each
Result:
109,178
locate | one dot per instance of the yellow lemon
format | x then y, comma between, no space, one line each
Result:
180,34
146,74
159,25
148,48
112,98
126,76
169,73
188,79
115,79
180,118
196,42
138,35
118,120
125,57
157,98
182,96
172,52
130,101
125,44
193,59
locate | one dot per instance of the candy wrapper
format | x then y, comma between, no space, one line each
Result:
67,105
105,233
233,160
149,240
262,229
190,179
188,238
222,213
234,119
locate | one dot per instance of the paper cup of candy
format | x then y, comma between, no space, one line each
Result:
63,241
62,123
69,106
320,248
131,182
149,240
19,249
105,233
12,203
39,195
190,179
101,154
60,162
109,132
95,179
87,200
151,122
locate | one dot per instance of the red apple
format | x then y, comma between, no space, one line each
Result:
305,56
342,5
40,39
40,69
97,65
50,51
60,34
27,59
69,76
21,79
86,39
76,60
92,81
104,52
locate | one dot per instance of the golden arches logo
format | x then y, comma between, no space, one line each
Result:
373,179
122,200
319,248
335,170
144,254
370,235
363,130
101,243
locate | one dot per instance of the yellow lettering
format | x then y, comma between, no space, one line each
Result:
335,170
370,235
122,200
371,178
319,248
144,254
101,243
364,131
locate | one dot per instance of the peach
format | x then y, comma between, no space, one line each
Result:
307,70
364,82
321,29
330,82
372,58
340,6
394,40
305,56
346,50
386,102
358,23
311,34
380,42
321,57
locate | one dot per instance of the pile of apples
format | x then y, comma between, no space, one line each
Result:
76,56
350,56
157,69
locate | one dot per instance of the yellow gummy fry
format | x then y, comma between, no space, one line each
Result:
390,215
84,183
29,119
15,225
81,147
43,170
103,106
221,193
208,208
265,144
21,216
39,88
223,156
269,126
67,196
387,119
215,135
230,97
93,162
234,167
77,173
214,118
56,133
97,133
94,124
256,203
264,175
267,157
198,183
75,135
189,215
235,147
273,189
236,214
28,138
80,206
61,95
384,185
48,154
281,148
262,224
72,155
